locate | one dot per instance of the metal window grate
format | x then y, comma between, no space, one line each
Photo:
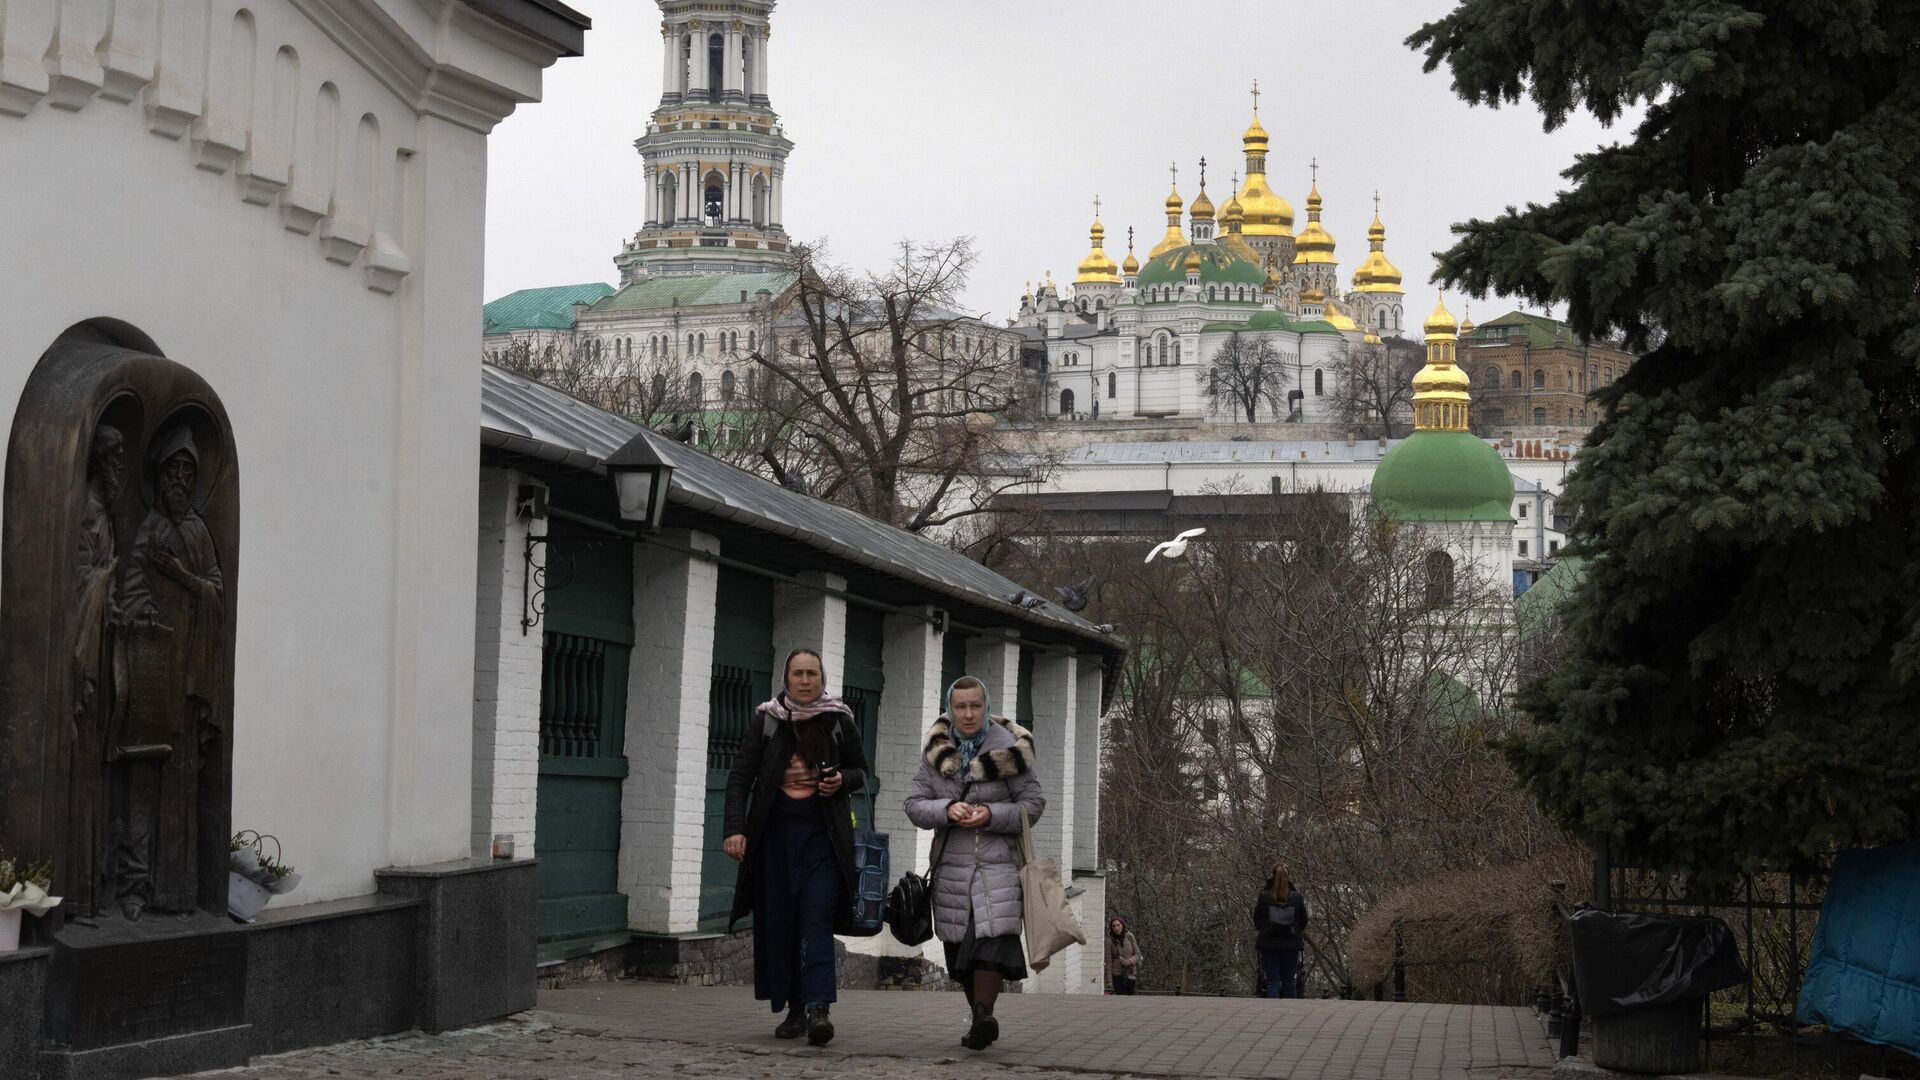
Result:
730,705
572,696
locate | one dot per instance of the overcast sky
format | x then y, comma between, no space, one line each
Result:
927,119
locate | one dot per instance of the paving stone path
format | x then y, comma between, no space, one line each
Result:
646,1031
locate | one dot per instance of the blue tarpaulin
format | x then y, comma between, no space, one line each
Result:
1864,977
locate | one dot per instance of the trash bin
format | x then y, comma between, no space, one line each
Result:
1641,978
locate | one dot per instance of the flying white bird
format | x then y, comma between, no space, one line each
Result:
1175,547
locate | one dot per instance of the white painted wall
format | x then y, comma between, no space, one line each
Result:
350,383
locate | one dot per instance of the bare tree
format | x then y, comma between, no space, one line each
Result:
880,395
1311,685
650,390
1375,393
1247,372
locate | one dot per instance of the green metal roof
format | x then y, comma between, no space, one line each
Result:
1443,476
1540,331
1219,265
1535,605
1276,320
539,309
694,290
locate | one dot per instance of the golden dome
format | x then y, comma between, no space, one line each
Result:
1312,296
1193,260
1339,319
1202,208
1231,215
1440,390
1315,244
1370,338
1254,139
1174,237
1267,213
1466,321
1376,274
1440,323
1097,268
1273,277
1132,266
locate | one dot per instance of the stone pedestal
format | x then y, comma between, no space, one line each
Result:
476,938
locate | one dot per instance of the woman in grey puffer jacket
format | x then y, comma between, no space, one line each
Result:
975,777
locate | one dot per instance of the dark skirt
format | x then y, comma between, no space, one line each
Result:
1003,954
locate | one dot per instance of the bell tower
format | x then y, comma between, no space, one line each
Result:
714,155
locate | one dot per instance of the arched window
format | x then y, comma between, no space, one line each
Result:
1490,378
1569,380
1380,317
1113,384
689,344
1439,579
1516,380
714,203
1396,316
696,388
659,389
726,386
716,65
1176,354
746,66
1540,416
1066,403
1210,292
753,341
702,350
1319,383
1609,376
760,199
1100,304
1593,376
669,196
1539,378
1149,356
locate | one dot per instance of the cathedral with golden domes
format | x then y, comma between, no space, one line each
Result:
1139,339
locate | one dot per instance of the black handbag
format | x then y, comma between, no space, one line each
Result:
910,908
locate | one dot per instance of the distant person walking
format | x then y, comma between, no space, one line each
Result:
1280,927
975,778
789,825
1123,957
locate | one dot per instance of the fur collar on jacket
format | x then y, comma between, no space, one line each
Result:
999,763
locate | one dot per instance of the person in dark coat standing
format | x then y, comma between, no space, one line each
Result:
1123,957
790,826
1280,928
974,782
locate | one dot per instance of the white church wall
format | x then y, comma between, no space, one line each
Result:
342,347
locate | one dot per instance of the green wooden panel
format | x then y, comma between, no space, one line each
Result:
953,664
861,684
588,630
1023,708
743,663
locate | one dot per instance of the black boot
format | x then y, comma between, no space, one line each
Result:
984,1031
819,1026
795,1025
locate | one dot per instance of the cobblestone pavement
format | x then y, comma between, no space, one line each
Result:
652,1031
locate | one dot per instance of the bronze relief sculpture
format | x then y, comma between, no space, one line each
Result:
116,687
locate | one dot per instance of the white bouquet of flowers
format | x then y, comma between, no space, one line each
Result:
23,888
253,875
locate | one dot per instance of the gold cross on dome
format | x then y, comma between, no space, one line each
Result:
1314,164
1174,168
1203,172
1256,95
1096,206
1376,202
1129,238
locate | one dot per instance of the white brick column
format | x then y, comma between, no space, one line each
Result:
911,659
1056,687
1086,766
807,619
663,803
506,671
995,661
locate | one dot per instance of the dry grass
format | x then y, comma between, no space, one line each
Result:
1480,937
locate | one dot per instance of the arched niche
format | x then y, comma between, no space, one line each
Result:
119,562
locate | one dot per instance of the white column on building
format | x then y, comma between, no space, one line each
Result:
506,670
779,183
806,618
663,802
669,50
995,661
689,199
1086,766
652,181
760,63
697,65
730,77
1056,686
911,659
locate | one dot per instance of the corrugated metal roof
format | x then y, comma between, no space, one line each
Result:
536,419
693,290
539,309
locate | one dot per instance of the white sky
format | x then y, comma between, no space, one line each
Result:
927,119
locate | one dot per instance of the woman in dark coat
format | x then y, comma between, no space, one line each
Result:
790,826
1280,926
975,779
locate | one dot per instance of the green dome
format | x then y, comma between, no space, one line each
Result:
1218,266
1280,320
1443,476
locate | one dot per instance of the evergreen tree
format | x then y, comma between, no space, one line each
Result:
1743,682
